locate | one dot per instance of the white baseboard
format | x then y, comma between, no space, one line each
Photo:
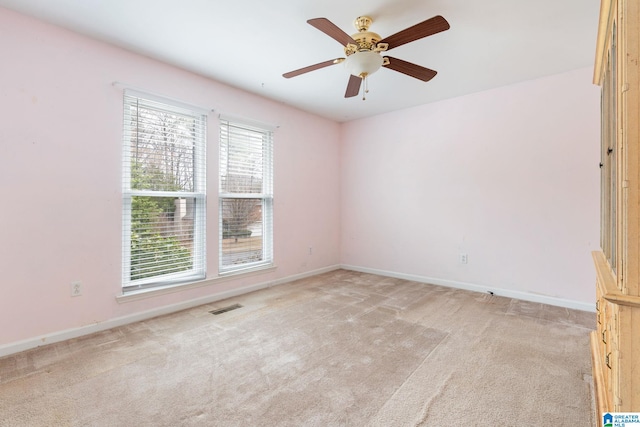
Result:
526,296
67,334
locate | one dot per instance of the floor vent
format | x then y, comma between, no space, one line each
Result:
225,309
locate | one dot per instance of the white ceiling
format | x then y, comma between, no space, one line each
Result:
249,44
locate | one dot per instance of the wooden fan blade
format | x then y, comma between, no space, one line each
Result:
353,87
332,30
410,69
311,68
426,28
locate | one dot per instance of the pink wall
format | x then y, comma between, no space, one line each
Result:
60,157
508,176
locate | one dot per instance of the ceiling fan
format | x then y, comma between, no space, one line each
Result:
363,50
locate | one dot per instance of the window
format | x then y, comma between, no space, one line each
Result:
245,197
163,193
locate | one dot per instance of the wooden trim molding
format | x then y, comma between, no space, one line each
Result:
607,283
596,359
606,18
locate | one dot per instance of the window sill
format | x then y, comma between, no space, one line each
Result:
243,271
169,289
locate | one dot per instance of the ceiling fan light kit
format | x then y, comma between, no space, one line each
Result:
362,64
363,50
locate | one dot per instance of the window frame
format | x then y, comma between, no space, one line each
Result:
265,197
198,266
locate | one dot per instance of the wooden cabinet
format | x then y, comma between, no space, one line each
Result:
615,344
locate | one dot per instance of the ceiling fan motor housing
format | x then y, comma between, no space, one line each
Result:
365,40
363,57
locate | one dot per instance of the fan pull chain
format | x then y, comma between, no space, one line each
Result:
365,87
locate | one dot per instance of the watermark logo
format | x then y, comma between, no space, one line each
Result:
621,419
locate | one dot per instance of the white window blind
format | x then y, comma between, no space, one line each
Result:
246,196
164,194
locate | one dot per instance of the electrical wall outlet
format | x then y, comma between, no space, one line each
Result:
463,258
76,289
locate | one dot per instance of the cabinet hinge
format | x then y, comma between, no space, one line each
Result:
624,88
625,183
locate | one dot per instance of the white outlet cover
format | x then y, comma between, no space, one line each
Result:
76,289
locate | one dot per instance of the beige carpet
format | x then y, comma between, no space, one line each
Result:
338,349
